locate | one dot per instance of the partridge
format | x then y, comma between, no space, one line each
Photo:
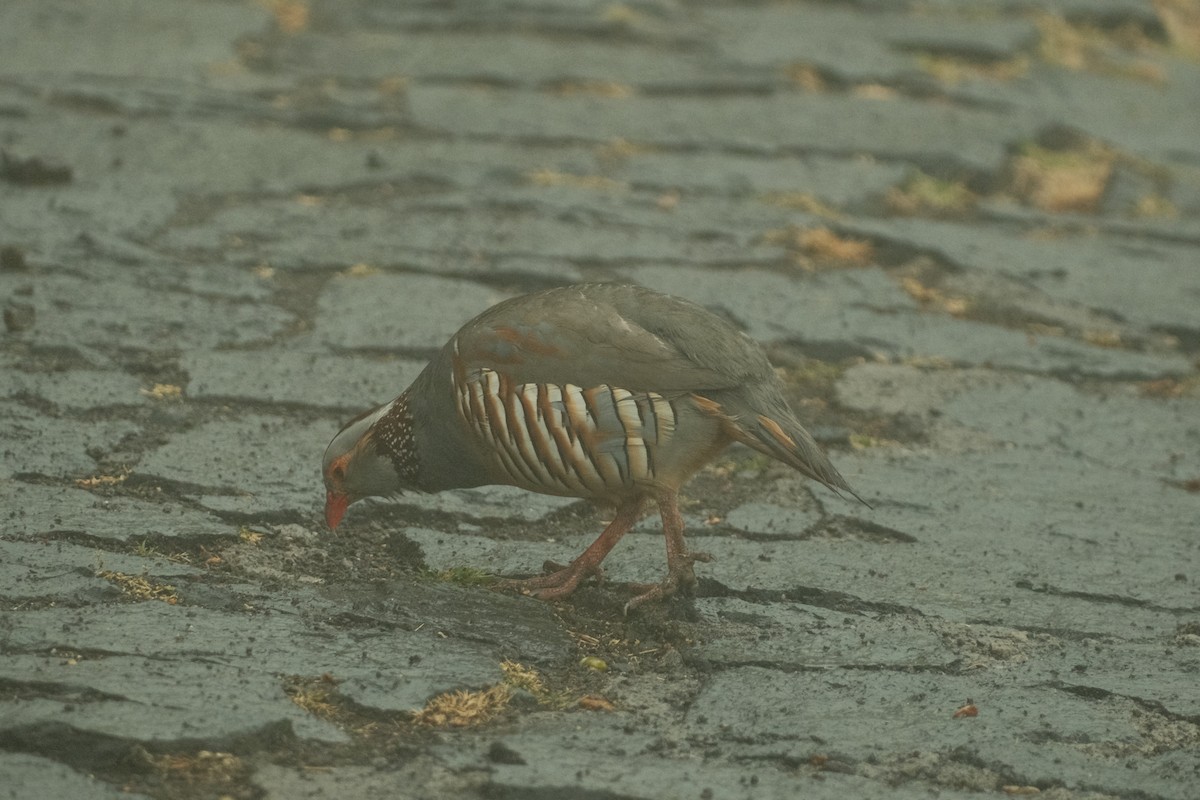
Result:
610,392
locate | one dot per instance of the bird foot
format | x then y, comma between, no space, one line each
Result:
559,581
680,576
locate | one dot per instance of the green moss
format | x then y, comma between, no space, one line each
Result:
463,576
924,193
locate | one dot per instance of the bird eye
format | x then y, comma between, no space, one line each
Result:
338,473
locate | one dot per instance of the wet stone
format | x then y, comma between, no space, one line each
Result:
18,317
69,574
55,446
218,662
860,46
1119,431
975,137
34,776
286,210
1061,541
377,664
638,557
792,636
599,755
465,55
836,181
129,313
483,627
252,464
77,388
1152,283
421,670
333,783
771,520
182,53
34,509
1055,744
840,307
286,376
392,312
122,687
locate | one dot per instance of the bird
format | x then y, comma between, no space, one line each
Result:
606,391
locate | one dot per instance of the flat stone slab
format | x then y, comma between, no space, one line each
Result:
250,464
225,660
919,708
34,776
36,510
228,228
395,311
56,447
286,376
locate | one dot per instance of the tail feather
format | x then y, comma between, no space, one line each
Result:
785,439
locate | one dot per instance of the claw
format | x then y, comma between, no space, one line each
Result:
680,576
559,582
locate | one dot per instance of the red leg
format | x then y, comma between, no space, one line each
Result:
680,574
564,581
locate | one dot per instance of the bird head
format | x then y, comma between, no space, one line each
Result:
359,462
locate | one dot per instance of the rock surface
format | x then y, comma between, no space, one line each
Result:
968,233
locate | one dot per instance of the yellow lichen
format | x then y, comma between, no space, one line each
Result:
549,177
1067,179
828,248
931,296
140,587
520,676
101,480
464,709
163,391
924,194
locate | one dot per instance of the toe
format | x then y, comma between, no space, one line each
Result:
559,582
